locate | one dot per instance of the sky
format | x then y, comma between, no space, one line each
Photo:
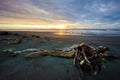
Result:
59,14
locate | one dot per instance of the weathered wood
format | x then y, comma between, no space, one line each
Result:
51,53
80,70
16,41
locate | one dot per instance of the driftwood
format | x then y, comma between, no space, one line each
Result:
16,41
51,53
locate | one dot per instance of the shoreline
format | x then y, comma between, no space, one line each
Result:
62,33
49,40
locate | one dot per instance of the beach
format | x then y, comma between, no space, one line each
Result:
53,68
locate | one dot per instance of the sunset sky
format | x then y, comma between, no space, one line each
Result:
59,14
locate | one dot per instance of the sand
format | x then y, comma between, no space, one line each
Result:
54,68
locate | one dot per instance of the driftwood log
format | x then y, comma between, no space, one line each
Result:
16,41
51,53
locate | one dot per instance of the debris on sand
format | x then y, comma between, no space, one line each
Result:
37,36
16,41
36,53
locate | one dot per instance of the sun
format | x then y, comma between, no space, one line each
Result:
62,27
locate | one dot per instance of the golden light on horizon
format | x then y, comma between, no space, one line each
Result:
35,24
29,26
60,33
61,30
62,27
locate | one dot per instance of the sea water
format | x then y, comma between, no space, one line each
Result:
86,32
95,32
81,32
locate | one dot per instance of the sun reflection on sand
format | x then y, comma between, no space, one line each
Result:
60,33
61,30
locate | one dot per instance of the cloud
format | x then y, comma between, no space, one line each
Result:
73,13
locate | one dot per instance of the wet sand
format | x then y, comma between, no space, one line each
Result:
52,68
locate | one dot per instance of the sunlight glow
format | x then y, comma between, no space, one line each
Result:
31,26
60,27
60,33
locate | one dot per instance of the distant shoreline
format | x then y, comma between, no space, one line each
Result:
86,32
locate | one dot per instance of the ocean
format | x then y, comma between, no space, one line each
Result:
81,32
95,32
